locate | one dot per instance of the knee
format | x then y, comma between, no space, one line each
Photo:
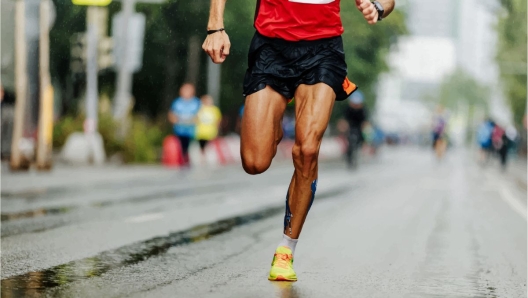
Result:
255,165
279,137
306,153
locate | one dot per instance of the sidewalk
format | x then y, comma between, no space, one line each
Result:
225,152
62,176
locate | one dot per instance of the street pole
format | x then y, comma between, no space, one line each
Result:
17,161
45,128
213,81
124,75
90,124
193,60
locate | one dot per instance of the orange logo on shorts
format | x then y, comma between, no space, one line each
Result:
348,86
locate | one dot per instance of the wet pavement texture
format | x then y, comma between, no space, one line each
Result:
402,225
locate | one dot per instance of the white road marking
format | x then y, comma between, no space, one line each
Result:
514,203
506,194
144,217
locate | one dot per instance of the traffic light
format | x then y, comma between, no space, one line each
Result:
105,58
78,53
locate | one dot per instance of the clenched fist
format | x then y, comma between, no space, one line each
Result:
217,46
368,10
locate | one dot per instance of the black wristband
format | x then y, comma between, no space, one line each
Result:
214,31
380,9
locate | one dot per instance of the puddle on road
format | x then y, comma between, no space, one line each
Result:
34,284
26,194
35,213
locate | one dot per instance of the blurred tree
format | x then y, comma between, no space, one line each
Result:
70,19
460,90
511,54
366,46
239,16
169,29
171,25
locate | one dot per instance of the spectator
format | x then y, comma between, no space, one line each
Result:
484,132
503,140
183,117
208,122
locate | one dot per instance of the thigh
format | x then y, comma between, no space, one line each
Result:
261,123
313,107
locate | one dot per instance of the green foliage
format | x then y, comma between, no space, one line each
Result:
238,20
366,46
143,143
169,27
69,19
511,54
107,128
68,125
366,49
461,88
64,127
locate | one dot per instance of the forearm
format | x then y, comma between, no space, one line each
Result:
172,118
388,6
216,15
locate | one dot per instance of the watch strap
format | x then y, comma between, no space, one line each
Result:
380,9
214,31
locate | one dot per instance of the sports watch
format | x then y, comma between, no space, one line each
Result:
380,9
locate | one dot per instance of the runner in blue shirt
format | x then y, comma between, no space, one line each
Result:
183,117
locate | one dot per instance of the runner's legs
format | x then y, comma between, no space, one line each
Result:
313,107
261,129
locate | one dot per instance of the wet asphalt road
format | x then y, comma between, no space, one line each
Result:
403,225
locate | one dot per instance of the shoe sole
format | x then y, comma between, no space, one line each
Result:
281,278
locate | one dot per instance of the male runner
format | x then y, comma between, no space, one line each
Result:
297,51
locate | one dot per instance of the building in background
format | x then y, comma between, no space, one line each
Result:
458,33
477,44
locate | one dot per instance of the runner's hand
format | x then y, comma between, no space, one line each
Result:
173,119
217,46
368,10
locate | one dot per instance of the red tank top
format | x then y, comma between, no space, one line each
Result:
298,19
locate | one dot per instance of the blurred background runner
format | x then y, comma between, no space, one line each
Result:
183,117
207,123
356,116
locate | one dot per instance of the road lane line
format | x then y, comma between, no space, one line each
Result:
514,203
506,195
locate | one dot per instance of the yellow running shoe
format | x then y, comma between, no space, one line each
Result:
282,265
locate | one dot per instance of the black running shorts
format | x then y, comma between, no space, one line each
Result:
284,65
